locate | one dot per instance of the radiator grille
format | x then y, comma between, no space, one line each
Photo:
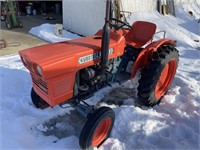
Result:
39,82
43,85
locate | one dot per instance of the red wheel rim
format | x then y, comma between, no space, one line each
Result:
101,132
165,79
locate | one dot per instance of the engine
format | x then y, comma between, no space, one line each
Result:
88,74
118,69
91,77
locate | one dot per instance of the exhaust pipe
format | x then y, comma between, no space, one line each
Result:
105,38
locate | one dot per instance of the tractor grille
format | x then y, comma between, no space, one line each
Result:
39,82
43,85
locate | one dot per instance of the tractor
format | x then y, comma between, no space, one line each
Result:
70,72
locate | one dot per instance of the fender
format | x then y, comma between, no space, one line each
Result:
144,56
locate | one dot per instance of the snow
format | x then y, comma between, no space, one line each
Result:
173,124
47,32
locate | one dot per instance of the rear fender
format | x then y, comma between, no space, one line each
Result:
146,54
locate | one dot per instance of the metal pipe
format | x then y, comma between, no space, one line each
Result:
105,38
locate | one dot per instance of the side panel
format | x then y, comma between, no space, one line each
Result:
61,88
146,54
57,90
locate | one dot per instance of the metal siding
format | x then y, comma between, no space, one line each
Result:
86,17
139,5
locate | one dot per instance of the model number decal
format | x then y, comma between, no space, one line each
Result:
91,57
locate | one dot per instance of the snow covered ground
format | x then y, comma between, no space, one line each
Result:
174,124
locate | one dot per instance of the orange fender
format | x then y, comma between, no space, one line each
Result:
146,54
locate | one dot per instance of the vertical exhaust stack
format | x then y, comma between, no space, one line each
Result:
105,38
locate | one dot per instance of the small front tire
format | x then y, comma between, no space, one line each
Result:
97,128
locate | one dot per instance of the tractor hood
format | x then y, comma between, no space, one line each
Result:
59,58
50,53
65,57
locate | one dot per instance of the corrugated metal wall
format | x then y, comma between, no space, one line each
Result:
83,16
139,5
86,17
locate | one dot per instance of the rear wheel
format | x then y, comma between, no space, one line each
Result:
157,77
38,101
97,128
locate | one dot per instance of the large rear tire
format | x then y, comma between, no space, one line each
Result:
97,128
38,101
157,77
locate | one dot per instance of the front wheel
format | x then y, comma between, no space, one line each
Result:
157,76
97,128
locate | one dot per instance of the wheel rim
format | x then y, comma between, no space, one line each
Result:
165,79
101,132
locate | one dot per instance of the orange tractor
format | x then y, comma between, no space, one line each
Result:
72,71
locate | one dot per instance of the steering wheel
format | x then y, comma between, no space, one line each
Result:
119,24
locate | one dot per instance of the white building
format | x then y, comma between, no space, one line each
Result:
86,17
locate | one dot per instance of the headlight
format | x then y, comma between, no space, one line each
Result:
39,70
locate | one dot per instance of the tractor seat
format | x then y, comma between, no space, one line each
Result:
141,33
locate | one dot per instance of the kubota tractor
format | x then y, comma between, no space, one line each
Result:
72,71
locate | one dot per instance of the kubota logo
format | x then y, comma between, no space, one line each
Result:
91,57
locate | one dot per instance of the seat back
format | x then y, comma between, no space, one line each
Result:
141,33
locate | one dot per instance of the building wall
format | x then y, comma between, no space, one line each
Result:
86,17
139,5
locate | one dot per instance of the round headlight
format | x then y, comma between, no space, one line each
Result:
39,70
